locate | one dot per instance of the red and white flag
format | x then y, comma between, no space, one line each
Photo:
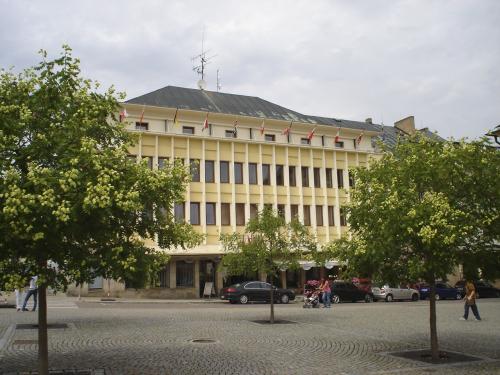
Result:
176,120
286,131
337,136
262,128
358,140
310,135
205,123
123,114
142,115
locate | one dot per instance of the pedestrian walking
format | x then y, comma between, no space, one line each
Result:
470,301
32,291
327,293
19,298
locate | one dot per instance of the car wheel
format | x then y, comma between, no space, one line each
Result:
437,298
244,299
368,298
458,296
335,299
284,298
414,297
389,298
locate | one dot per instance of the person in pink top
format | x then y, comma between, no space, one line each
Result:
327,293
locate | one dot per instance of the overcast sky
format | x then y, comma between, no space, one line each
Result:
436,60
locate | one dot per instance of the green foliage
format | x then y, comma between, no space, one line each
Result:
424,208
268,245
69,195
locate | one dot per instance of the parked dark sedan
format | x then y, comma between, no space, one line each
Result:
257,291
483,289
347,291
443,291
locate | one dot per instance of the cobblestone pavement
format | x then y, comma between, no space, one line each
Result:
349,339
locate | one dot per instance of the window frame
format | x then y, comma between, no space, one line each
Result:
213,214
307,216
224,177
304,176
194,169
280,176
238,176
317,177
197,215
270,137
188,130
253,177
207,170
266,176
292,181
240,213
225,208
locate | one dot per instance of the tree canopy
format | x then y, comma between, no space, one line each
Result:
426,207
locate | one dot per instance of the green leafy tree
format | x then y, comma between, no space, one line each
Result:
268,245
73,204
426,207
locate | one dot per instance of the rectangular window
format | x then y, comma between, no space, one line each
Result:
238,173
340,178
270,137
141,126
294,211
252,173
162,162
184,273
305,176
266,174
339,144
319,216
254,209
280,178
317,178
209,129
250,133
224,172
187,130
210,213
209,171
331,216
292,177
194,166
225,213
240,214
230,133
322,140
307,216
194,213
179,213
281,210
329,178
343,219
305,141
149,161
351,179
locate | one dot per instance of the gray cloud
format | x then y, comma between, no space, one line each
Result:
437,60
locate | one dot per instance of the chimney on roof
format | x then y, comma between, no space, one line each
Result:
406,125
369,120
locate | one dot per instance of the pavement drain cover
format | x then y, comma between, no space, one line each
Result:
49,326
275,322
204,341
445,357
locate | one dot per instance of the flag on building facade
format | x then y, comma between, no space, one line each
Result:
358,140
310,135
123,114
286,131
176,120
142,115
337,136
205,123
262,128
235,128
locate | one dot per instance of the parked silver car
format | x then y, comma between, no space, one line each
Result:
389,294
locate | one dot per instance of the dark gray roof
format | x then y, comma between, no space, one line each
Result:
211,101
390,135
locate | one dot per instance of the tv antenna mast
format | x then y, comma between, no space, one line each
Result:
204,60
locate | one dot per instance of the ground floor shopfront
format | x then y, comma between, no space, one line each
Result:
200,276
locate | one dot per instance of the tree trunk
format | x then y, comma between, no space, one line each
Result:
271,320
432,321
43,352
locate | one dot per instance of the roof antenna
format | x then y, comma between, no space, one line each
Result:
219,85
204,60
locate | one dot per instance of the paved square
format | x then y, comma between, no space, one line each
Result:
160,338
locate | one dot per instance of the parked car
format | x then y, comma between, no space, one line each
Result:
255,291
347,291
443,291
389,293
483,289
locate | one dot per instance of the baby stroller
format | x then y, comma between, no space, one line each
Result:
311,296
